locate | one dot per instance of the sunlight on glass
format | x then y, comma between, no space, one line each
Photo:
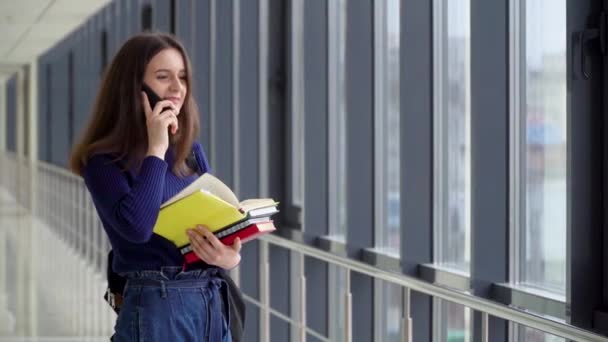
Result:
388,315
455,322
337,283
337,118
532,335
386,106
545,149
452,209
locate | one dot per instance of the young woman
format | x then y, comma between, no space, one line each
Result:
133,157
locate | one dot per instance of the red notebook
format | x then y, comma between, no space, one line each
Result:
248,233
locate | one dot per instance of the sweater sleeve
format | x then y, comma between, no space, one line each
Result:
131,210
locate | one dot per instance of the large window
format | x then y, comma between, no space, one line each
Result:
337,117
338,290
539,149
452,322
386,108
452,134
452,155
540,144
388,302
386,166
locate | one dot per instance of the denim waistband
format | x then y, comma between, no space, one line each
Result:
172,276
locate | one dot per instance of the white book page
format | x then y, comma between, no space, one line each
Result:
209,183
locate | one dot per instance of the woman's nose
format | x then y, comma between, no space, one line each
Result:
176,84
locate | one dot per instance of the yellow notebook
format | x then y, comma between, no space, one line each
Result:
207,201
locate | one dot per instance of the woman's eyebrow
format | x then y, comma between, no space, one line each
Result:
168,70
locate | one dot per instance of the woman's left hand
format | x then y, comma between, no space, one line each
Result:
212,251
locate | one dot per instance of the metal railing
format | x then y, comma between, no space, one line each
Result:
60,242
61,201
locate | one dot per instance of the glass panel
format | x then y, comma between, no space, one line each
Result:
337,291
337,118
388,311
387,29
452,133
542,146
533,335
453,322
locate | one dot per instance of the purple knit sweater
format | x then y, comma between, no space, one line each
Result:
128,205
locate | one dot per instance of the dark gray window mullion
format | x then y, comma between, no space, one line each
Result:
271,44
113,27
183,28
162,15
274,80
417,152
69,94
81,113
315,156
222,130
48,109
133,18
200,21
97,23
42,108
59,124
489,154
121,16
360,156
601,318
11,114
315,118
584,203
89,70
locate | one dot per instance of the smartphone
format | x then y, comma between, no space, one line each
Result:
153,98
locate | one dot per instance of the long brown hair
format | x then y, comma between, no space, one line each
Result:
118,125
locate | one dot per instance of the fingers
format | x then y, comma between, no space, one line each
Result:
170,120
202,248
236,245
146,104
211,239
161,107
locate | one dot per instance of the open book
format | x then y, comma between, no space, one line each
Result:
210,202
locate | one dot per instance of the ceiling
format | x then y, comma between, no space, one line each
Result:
30,27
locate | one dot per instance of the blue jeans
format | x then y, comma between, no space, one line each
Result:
172,305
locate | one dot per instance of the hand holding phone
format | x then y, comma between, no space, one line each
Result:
161,120
153,98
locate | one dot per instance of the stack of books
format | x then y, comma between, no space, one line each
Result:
209,202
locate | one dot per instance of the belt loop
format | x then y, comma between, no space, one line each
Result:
163,289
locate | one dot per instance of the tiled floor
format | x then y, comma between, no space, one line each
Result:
47,293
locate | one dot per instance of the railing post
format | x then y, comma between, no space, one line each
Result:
302,301
264,292
406,323
485,327
348,303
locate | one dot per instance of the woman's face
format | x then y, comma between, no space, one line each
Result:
166,75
